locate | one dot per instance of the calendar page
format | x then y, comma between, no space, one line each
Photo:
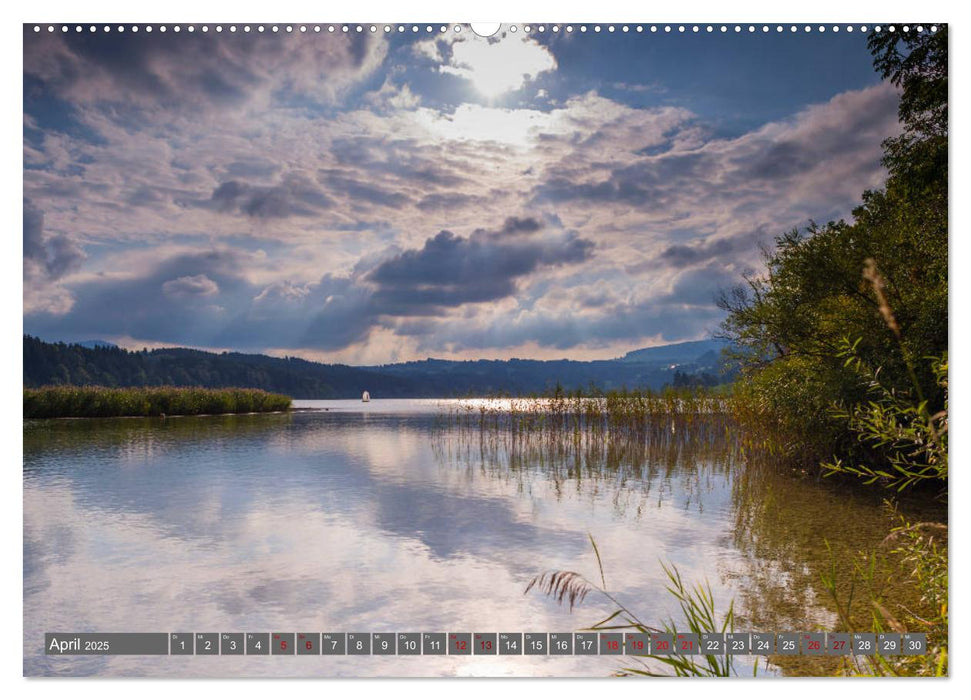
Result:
527,349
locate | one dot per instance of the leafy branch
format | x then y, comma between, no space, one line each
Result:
911,441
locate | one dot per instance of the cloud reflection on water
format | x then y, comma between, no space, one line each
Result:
330,522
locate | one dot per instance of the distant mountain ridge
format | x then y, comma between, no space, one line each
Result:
108,365
676,353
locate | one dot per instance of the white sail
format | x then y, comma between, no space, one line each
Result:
366,397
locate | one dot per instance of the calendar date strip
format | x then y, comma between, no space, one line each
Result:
482,644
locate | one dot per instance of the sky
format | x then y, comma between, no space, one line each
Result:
369,197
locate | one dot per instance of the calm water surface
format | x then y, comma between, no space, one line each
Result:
378,518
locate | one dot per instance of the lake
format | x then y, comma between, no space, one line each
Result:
382,517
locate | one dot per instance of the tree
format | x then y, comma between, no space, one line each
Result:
792,322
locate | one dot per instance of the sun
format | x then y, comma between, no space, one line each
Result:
498,66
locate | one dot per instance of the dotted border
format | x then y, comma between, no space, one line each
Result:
457,28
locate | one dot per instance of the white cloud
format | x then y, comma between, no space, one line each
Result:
471,122
669,205
494,66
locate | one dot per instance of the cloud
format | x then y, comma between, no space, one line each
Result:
296,195
33,233
494,66
623,323
50,255
639,87
448,201
347,315
361,190
190,286
183,299
601,313
322,193
207,298
515,224
450,270
195,72
700,286
329,314
714,199
682,255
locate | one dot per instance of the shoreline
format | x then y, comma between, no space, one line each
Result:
175,415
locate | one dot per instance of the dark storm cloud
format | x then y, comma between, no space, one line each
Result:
708,250
346,316
781,160
687,310
526,224
33,232
450,270
48,255
699,286
193,71
205,298
297,195
329,314
849,128
681,255
177,301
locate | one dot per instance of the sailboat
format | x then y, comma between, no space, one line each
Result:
365,397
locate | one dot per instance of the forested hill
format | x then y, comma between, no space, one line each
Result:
60,363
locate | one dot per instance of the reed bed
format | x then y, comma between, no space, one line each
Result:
614,417
614,437
105,402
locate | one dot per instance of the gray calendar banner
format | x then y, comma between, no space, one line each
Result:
283,644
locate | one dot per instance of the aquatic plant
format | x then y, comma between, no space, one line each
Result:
100,402
614,415
697,605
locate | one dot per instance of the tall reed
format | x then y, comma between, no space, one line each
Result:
612,416
698,612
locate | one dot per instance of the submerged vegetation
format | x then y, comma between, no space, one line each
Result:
103,402
918,552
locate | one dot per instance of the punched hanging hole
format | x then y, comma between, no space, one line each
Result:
485,28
